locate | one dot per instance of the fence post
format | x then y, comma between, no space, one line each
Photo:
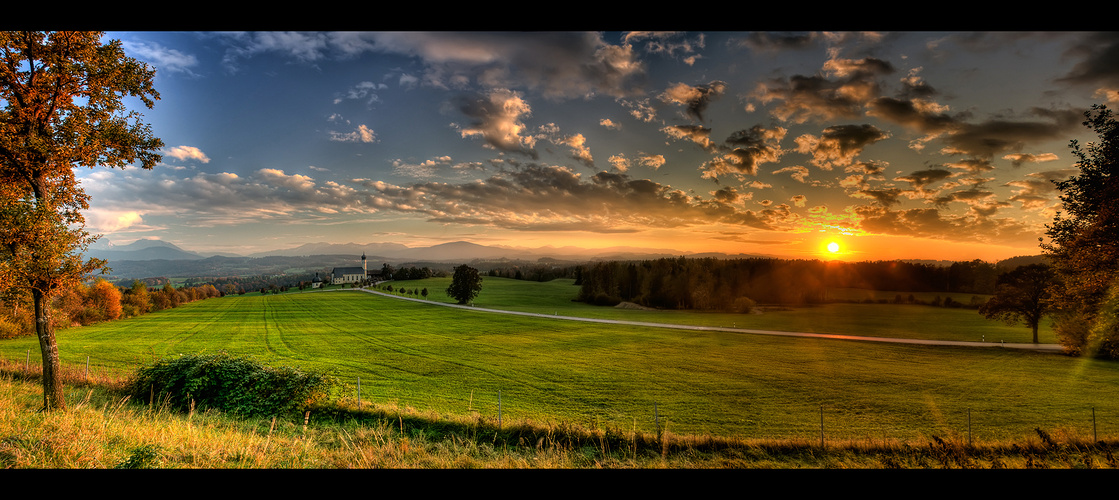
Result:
821,426
499,408
969,426
1094,438
359,393
86,367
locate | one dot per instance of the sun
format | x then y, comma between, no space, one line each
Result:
833,247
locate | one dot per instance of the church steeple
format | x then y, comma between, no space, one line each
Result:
363,268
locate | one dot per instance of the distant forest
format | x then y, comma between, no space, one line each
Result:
737,285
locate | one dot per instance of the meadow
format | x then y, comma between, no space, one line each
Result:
457,362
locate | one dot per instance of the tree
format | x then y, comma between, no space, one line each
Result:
1084,240
1021,296
466,283
63,107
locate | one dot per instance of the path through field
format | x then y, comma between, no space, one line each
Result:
1036,347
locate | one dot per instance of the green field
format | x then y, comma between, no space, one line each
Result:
457,362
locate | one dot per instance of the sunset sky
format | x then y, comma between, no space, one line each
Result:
915,145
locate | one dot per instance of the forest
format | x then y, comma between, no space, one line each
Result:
85,304
740,284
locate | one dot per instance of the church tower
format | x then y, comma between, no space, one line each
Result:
363,268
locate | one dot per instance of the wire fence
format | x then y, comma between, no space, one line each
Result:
804,422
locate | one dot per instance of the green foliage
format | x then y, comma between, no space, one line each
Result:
466,284
231,384
1084,244
1022,296
142,457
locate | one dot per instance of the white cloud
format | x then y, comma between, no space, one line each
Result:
187,153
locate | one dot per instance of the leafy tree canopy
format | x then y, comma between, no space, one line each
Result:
1084,240
63,107
466,284
1022,296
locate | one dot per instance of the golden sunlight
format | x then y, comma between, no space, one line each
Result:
833,247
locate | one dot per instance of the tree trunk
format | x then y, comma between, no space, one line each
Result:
1035,331
53,398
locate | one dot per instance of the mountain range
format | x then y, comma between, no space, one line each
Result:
151,249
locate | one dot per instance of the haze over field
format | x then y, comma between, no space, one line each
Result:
913,145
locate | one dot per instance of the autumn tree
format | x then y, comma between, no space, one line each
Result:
105,297
1021,296
466,284
63,108
1084,240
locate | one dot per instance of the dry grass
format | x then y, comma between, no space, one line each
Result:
102,429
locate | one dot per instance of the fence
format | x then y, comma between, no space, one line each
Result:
819,423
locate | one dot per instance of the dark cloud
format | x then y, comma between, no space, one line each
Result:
496,117
917,115
557,64
932,223
839,145
770,41
1099,60
841,90
536,197
695,99
997,136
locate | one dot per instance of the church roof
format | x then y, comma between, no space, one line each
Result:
338,271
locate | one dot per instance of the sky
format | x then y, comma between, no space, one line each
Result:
892,145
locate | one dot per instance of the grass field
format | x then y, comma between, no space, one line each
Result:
457,362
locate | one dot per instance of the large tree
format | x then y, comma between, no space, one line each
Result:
466,284
63,108
1021,296
1084,240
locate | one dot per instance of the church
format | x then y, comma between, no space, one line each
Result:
341,275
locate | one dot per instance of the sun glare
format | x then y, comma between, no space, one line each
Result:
833,247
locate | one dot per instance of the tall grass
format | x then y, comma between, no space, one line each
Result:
105,429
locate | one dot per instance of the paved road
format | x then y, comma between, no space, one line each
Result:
1035,347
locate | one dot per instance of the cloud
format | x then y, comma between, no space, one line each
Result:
694,99
1096,53
1020,159
796,172
102,220
996,136
496,118
623,164
839,145
669,43
840,90
362,91
555,64
745,150
163,58
1037,190
932,223
552,198
424,170
303,47
187,153
361,134
267,194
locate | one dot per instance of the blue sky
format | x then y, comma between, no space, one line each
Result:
895,145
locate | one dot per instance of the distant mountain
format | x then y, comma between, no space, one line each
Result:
145,249
370,249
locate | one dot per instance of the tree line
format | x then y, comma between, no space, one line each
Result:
88,303
738,284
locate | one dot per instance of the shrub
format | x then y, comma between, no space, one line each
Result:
230,384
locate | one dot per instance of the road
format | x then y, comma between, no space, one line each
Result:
1034,347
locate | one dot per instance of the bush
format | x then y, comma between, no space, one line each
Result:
230,384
